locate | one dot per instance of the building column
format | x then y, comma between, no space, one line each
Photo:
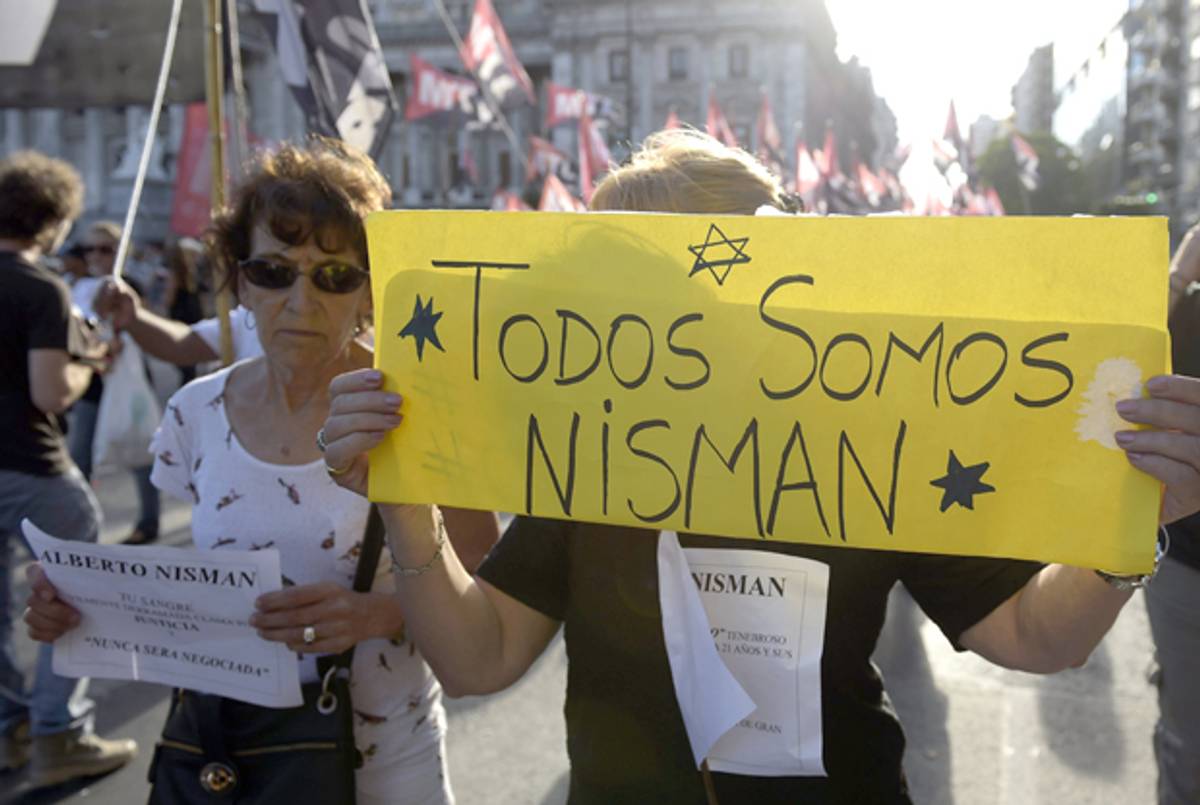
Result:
14,130
394,160
562,71
94,173
277,99
641,62
416,173
136,118
517,173
794,102
176,123
47,131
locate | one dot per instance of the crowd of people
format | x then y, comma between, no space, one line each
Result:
457,606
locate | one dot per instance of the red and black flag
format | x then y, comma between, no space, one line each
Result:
489,55
331,60
567,105
436,92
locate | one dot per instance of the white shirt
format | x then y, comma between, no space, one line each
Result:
83,294
240,501
245,338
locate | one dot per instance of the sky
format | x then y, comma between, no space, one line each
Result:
923,53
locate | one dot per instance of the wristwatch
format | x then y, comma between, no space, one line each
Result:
1138,581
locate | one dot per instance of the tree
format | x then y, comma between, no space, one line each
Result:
1060,190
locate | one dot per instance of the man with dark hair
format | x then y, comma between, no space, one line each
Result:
47,357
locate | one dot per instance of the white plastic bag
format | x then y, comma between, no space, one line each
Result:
129,413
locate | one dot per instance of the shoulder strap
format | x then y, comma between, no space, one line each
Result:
368,557
365,570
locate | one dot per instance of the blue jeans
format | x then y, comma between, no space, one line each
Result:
80,436
64,506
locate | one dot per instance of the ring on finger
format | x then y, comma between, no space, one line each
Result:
321,440
335,472
310,635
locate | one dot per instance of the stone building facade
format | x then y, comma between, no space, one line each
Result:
649,57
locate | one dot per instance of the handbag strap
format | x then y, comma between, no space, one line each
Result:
372,546
365,570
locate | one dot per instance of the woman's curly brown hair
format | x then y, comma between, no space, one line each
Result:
37,193
322,190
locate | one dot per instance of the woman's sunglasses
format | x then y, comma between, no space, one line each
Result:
105,250
329,277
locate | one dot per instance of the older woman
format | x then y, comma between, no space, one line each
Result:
625,732
240,446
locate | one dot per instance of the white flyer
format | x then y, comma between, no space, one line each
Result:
765,613
710,698
175,616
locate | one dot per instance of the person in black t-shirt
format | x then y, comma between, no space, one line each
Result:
625,730
1173,600
47,360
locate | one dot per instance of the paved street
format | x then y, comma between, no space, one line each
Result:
978,735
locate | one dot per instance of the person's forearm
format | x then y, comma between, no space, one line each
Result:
78,378
447,614
169,340
1062,614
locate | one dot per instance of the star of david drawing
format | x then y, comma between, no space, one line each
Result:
724,246
423,327
961,484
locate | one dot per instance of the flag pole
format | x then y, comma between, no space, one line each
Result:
483,89
160,90
214,97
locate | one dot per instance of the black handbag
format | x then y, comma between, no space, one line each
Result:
219,750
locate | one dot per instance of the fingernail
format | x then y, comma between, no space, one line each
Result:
1124,438
393,400
374,376
1157,383
1125,407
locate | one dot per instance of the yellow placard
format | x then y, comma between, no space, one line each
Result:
933,385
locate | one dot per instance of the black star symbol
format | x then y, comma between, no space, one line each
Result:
737,245
423,327
962,483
